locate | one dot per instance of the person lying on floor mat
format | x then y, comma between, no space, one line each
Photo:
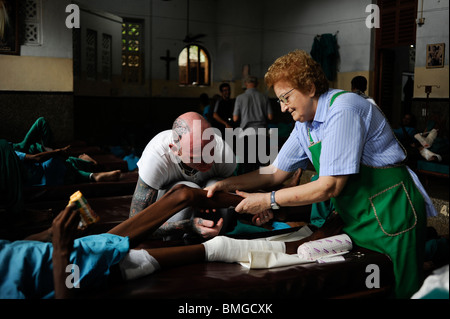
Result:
37,266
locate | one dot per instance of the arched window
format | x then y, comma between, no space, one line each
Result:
194,66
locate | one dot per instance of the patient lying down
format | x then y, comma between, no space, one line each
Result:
96,255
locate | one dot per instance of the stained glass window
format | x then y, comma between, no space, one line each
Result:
132,51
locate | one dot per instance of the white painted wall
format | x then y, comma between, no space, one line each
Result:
244,32
241,32
434,30
56,37
103,23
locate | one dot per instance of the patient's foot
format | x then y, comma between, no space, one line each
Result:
430,156
431,136
111,176
231,250
332,226
87,158
422,140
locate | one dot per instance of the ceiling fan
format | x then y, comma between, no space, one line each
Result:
189,38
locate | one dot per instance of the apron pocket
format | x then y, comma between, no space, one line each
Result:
394,210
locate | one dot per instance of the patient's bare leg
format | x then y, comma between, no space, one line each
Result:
176,256
111,176
141,225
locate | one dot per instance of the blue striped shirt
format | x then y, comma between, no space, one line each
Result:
352,131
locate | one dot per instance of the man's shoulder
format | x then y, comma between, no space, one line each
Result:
159,144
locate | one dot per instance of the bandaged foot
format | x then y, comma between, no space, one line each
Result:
138,263
429,155
421,140
222,248
431,137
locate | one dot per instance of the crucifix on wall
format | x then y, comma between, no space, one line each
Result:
168,59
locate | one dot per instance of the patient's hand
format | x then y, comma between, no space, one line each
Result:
262,218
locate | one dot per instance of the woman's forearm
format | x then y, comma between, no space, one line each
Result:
264,178
313,192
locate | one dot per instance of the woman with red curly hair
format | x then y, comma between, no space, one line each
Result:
360,166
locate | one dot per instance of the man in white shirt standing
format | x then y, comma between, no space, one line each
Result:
192,154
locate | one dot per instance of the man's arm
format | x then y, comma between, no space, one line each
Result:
267,177
178,197
143,197
220,120
44,156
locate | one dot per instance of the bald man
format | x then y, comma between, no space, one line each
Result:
191,154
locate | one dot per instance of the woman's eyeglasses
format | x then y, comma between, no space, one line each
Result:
283,97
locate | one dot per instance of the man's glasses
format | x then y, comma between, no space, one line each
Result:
283,97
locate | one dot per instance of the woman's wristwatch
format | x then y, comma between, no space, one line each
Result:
273,203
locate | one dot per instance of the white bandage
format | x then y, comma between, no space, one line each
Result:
330,246
138,263
421,140
428,155
222,248
431,136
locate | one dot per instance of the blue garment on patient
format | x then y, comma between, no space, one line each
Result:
50,172
26,269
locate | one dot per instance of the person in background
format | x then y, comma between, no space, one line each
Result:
205,106
223,109
253,111
359,86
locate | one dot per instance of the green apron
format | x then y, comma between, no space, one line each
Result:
384,211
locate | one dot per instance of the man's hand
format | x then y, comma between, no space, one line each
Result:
206,228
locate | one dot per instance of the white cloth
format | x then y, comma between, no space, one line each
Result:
323,250
138,263
264,253
230,250
158,166
437,280
326,247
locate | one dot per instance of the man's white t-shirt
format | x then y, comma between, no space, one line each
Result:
159,168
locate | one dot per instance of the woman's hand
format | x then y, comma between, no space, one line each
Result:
253,203
216,187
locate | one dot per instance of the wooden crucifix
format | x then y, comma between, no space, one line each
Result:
168,59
